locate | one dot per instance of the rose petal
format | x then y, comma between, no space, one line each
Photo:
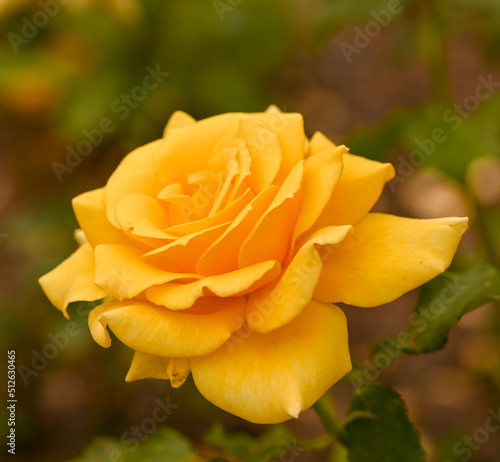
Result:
389,256
265,151
178,370
319,143
195,145
72,280
229,213
222,255
139,159
358,189
91,215
244,162
171,191
226,164
269,378
290,130
134,175
183,254
322,172
182,296
271,237
277,304
98,323
173,334
178,119
142,215
156,367
123,273
145,366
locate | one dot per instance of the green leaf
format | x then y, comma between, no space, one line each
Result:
165,445
441,304
390,436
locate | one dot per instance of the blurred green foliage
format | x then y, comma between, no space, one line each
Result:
165,445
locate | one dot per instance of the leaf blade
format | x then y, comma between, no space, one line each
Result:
374,439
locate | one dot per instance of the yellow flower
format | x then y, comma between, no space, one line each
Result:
220,248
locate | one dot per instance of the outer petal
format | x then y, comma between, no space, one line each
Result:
390,256
72,280
147,367
134,175
319,143
182,296
178,119
156,367
269,378
157,331
277,304
140,182
321,174
91,215
357,191
124,274
178,370
98,323
138,159
290,129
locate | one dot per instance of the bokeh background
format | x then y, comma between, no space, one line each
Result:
379,76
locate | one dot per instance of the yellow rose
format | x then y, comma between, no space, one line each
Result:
220,248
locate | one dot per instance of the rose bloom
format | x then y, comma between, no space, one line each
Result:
220,249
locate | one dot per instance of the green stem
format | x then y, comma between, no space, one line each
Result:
325,408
